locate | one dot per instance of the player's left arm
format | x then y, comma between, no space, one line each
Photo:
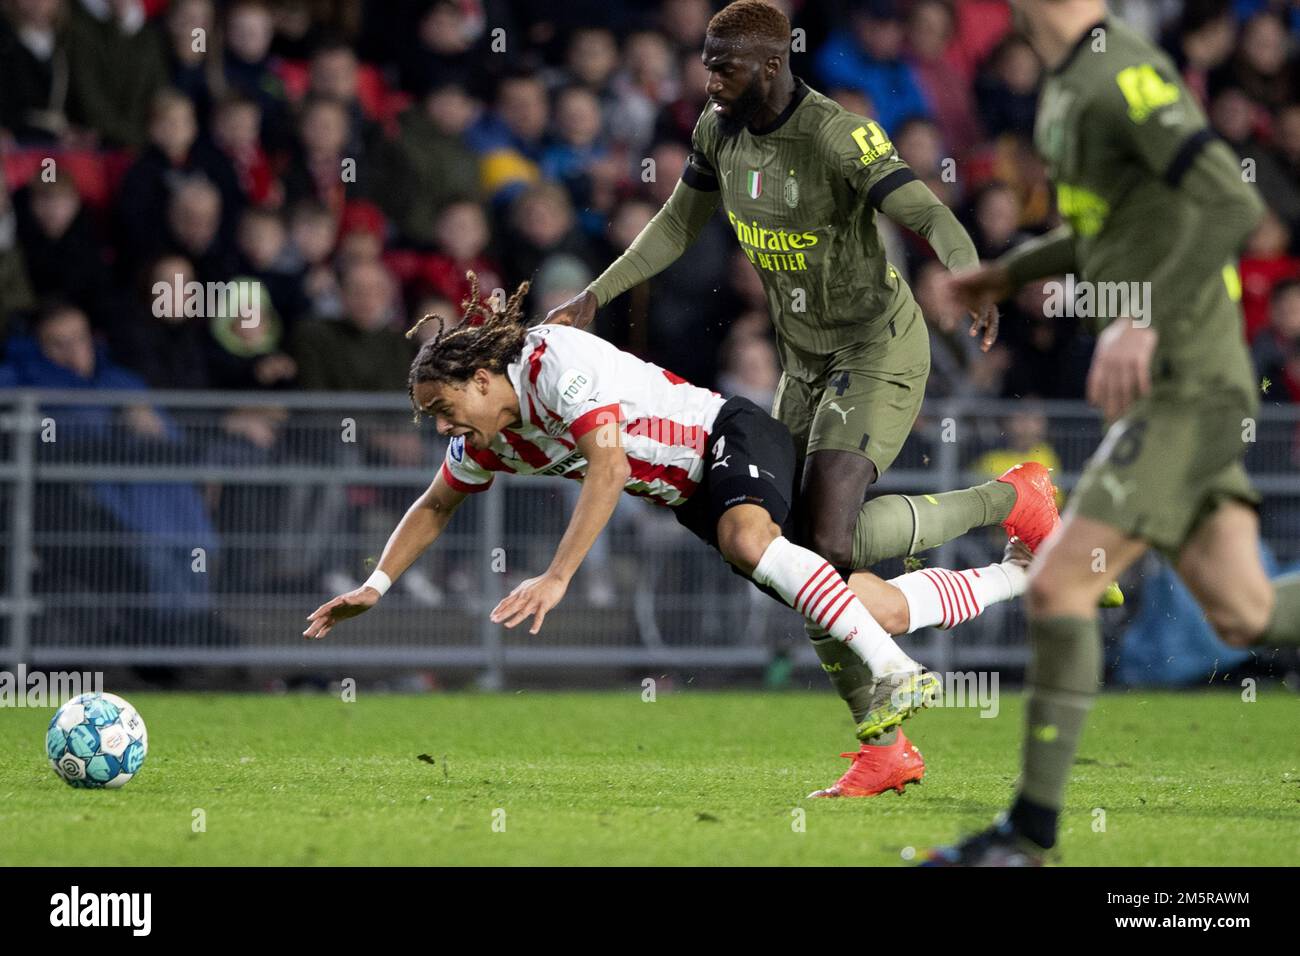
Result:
1152,116
1157,121
864,154
607,472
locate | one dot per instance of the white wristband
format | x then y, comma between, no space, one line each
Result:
380,581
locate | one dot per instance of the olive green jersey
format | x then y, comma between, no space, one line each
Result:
801,198
1120,133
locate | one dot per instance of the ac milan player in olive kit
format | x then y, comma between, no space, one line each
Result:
800,179
1149,196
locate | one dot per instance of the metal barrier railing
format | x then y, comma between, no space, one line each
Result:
199,528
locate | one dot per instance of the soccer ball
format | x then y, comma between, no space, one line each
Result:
96,740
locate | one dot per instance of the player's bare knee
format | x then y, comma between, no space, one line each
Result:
742,541
891,612
1239,623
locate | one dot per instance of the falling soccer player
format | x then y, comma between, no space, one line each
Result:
801,181
1149,196
553,400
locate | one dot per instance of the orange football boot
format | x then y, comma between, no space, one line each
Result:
1034,515
877,769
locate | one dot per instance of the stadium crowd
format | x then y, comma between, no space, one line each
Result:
355,158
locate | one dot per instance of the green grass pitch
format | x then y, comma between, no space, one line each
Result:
692,778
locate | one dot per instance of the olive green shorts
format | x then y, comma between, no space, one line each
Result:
867,399
1168,464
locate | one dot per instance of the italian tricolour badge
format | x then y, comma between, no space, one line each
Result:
755,183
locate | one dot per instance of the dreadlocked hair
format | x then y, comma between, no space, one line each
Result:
489,337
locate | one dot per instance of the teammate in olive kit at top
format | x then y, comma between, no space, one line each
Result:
800,180
1149,195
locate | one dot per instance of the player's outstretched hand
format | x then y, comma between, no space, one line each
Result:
984,322
979,290
323,619
578,311
533,598
1121,367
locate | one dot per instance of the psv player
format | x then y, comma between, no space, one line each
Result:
554,400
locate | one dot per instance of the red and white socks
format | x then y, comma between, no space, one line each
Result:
809,584
937,597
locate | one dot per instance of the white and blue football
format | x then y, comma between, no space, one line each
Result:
96,740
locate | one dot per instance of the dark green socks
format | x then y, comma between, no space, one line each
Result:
1062,681
895,526
1284,626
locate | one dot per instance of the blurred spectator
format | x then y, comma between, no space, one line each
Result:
684,23
1237,120
930,28
161,339
168,517
34,72
676,121
15,289
1276,350
517,121
194,63
869,57
1202,42
750,369
264,256
313,232
361,236
1265,263
362,353
428,163
333,76
298,28
321,168
541,224
560,278
450,43
249,356
590,60
579,147
173,155
246,67
1262,67
1026,440
647,82
236,125
1007,88
461,238
194,230
116,63
995,220
62,255
1287,135
1048,358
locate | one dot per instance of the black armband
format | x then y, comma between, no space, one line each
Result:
898,178
1187,154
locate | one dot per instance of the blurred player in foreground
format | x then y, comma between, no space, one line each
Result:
559,401
1153,201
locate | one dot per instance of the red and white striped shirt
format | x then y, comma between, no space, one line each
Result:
569,382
